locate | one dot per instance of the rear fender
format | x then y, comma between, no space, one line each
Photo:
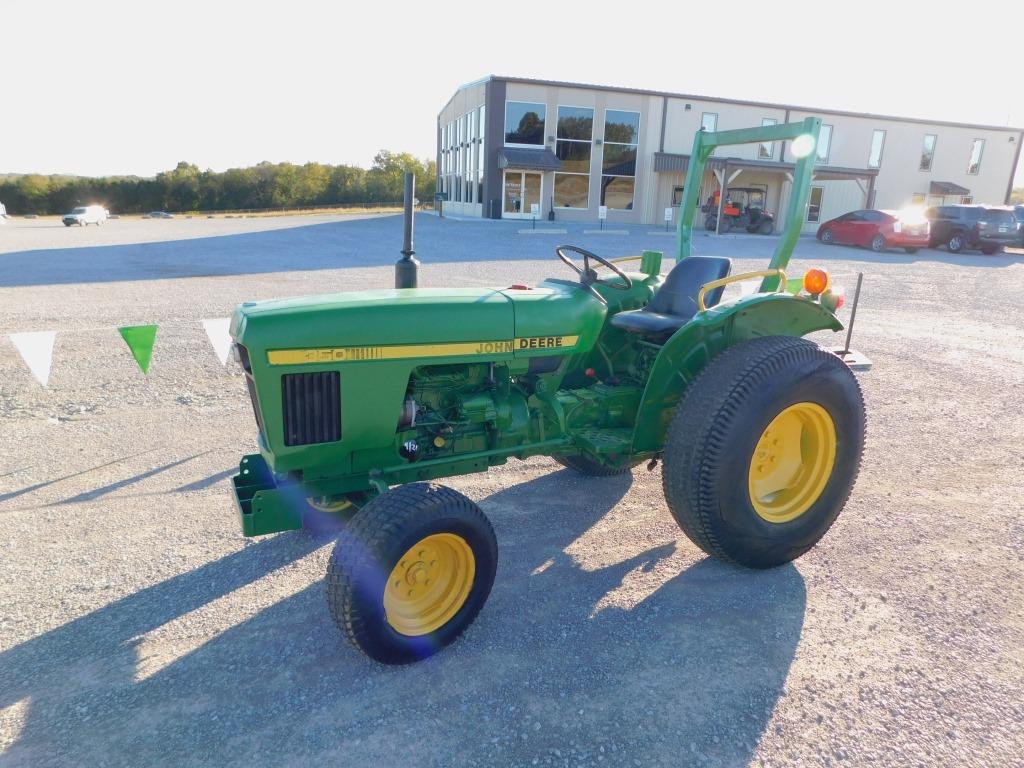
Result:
694,345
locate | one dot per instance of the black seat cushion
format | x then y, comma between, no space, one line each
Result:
675,303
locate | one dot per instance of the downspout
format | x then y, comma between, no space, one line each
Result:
1013,169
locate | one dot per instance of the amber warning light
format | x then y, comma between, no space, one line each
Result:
816,281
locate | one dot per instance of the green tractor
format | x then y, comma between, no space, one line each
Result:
364,399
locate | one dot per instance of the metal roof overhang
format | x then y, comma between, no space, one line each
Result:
666,162
529,159
947,188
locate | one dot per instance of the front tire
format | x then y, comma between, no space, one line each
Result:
878,243
956,243
411,572
766,227
763,450
827,237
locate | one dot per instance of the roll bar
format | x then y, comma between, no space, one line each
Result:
704,143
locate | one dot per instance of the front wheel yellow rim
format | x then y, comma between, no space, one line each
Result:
429,584
327,504
792,462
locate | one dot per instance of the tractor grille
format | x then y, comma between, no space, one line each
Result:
312,407
250,384
255,402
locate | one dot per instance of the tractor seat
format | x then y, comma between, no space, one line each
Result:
676,301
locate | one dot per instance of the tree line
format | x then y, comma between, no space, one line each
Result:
186,188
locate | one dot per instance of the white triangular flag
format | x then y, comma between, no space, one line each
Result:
217,330
36,348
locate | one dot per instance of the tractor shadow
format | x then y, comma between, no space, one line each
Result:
684,671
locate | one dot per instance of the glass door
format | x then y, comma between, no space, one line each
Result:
522,189
531,193
513,194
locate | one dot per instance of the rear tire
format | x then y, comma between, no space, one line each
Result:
723,426
956,243
709,223
389,603
766,227
878,243
827,237
725,226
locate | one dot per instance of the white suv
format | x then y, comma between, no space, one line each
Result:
88,214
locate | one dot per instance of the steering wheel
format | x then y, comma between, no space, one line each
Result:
588,276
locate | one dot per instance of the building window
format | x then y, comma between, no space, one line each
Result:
677,196
709,122
480,158
574,141
814,204
618,165
572,190
472,154
927,151
766,149
967,200
977,148
524,123
877,145
824,144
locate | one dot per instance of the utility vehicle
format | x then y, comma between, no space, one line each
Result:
364,399
744,208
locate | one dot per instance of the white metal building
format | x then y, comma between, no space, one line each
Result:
506,144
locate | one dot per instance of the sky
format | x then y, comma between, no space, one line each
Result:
110,87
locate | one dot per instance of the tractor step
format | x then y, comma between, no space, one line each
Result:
615,440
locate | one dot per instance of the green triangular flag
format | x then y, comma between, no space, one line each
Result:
139,339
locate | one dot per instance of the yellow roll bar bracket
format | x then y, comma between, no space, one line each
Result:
781,286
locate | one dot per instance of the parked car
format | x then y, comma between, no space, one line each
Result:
158,215
84,215
878,230
1018,216
972,226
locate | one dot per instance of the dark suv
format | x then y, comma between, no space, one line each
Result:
972,226
1018,214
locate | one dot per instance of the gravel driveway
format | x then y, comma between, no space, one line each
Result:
137,626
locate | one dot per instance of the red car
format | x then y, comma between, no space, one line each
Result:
878,230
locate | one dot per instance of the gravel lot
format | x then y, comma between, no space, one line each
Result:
137,626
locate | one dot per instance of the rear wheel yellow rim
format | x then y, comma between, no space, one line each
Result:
429,584
792,462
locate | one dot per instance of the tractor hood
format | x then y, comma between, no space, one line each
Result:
549,319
